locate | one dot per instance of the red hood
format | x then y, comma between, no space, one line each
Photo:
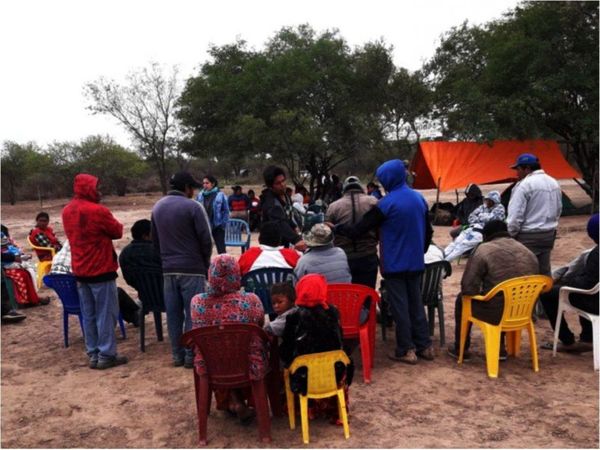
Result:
311,291
85,187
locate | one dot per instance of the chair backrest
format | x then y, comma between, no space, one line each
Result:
349,299
225,350
321,370
235,231
65,286
52,250
149,286
520,295
259,281
430,282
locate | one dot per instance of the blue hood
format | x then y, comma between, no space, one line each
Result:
391,174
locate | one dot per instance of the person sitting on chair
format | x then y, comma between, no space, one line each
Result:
465,207
584,278
140,254
498,258
239,204
43,236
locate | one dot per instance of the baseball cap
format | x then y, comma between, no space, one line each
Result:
525,158
351,182
181,179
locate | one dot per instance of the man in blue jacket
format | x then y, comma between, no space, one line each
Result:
405,233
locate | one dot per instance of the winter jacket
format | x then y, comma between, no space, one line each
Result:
266,256
239,202
273,210
350,209
216,208
482,214
181,233
138,255
90,229
329,261
44,238
468,204
492,262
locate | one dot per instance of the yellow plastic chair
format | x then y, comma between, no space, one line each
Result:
321,384
43,267
520,295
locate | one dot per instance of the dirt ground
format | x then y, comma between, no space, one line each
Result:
51,399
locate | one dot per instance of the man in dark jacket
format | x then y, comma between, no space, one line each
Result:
181,233
405,234
277,207
473,199
91,228
139,254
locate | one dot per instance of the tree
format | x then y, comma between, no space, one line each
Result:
145,106
532,74
21,163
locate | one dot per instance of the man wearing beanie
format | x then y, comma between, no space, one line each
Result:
498,258
586,278
362,251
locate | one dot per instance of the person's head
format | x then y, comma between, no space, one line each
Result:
320,235
184,182
85,186
251,193
141,230
371,186
283,297
275,179
494,229
525,164
592,228
223,276
270,234
352,182
209,182
311,291
237,190
472,191
42,220
289,191
492,199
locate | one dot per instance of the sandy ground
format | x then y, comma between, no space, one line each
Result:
51,399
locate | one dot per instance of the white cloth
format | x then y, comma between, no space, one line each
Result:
434,254
270,257
535,204
465,241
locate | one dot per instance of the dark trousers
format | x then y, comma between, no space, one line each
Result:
487,316
412,331
364,270
588,303
218,234
128,307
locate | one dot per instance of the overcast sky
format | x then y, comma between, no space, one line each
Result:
50,48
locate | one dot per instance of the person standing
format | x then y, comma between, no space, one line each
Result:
534,209
405,234
217,209
277,207
361,252
181,233
90,229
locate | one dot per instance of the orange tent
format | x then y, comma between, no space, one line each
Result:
452,165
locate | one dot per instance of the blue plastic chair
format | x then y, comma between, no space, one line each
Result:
259,282
234,234
65,286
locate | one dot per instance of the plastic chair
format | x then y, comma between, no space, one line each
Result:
234,234
565,305
349,300
225,349
65,286
43,267
321,384
149,286
520,295
260,281
432,295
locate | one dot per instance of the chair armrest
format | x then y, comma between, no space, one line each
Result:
479,298
568,289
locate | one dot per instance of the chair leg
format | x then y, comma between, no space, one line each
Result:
533,347
158,325
122,326
382,311
431,318
513,342
464,327
259,393
202,393
491,335
289,395
66,328
559,317
142,330
304,417
343,412
365,353
442,325
596,330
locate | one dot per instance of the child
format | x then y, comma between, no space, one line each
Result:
43,236
283,298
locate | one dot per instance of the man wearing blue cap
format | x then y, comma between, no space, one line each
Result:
534,209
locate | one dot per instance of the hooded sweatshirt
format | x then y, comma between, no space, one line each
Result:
90,229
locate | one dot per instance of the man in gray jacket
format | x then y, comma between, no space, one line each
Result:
181,233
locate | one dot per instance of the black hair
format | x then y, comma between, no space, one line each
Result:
270,173
140,228
251,191
212,179
494,228
286,289
532,166
370,184
270,234
42,214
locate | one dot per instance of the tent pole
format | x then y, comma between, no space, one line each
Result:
456,192
437,200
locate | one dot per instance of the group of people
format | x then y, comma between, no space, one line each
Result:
201,291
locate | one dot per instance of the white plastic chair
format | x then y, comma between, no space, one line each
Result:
565,305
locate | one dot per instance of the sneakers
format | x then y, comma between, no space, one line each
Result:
178,362
409,358
108,363
188,364
426,354
93,363
453,351
13,317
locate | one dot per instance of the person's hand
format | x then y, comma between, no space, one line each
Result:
301,246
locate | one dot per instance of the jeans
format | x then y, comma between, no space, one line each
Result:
99,310
364,270
588,303
412,331
218,234
179,290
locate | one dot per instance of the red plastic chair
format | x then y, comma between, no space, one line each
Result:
225,349
349,299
